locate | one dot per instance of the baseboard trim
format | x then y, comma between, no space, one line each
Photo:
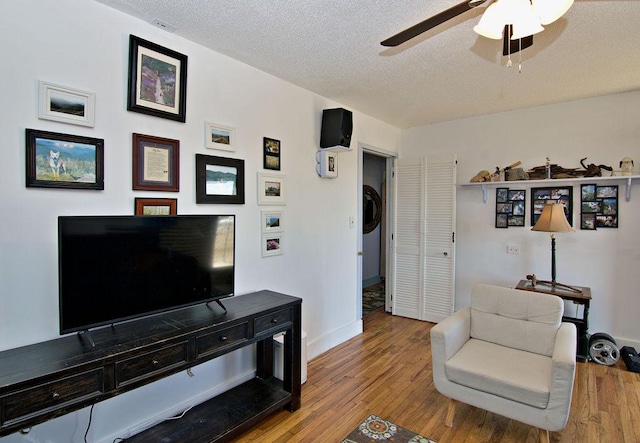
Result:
333,339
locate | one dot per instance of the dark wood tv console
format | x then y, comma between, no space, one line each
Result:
49,379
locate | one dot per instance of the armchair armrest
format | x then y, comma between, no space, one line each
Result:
563,369
448,336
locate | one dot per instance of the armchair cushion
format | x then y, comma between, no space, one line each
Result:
528,321
506,372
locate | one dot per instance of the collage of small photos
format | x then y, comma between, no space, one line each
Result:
599,208
510,207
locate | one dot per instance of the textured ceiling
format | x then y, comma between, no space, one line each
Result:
332,47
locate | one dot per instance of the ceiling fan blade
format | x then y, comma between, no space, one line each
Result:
512,46
431,22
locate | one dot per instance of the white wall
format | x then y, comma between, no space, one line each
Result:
84,45
604,129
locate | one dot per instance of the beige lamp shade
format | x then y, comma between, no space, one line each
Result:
553,219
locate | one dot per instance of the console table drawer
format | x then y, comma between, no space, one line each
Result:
51,396
273,321
207,344
151,363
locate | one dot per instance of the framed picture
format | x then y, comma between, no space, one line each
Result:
271,188
272,244
598,207
327,166
272,221
219,180
510,207
156,206
156,163
271,153
64,161
219,137
157,80
540,197
67,105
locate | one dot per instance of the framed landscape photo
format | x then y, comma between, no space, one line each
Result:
157,80
219,180
219,137
272,244
271,189
67,105
156,163
271,153
65,161
156,206
272,221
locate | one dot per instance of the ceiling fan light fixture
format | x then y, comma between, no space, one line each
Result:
524,19
492,22
551,10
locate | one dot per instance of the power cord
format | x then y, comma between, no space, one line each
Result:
89,424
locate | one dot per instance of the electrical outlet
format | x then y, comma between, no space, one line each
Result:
513,249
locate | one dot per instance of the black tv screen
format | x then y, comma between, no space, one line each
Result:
115,268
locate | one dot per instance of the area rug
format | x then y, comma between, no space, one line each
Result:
375,429
372,298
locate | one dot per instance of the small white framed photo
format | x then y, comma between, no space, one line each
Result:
67,105
219,137
272,221
272,244
271,189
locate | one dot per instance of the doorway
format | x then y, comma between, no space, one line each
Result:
374,240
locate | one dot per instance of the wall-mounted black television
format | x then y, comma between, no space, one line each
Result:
116,268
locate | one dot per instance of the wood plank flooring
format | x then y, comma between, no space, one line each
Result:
387,371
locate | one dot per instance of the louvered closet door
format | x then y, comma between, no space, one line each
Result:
424,252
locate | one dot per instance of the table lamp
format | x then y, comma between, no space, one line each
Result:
553,219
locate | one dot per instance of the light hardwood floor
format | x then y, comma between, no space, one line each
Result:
387,371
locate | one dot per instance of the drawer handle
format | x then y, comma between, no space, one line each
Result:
55,395
224,338
274,320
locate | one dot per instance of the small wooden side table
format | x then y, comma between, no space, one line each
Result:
582,323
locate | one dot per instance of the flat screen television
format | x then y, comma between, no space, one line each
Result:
116,268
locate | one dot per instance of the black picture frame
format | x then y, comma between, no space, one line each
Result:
157,80
156,163
598,207
271,149
65,161
558,194
219,180
510,207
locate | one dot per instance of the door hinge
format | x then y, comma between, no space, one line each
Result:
453,237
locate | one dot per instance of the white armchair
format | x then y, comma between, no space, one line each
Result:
508,353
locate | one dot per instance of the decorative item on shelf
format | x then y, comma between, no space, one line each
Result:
552,220
481,177
594,170
504,172
626,166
